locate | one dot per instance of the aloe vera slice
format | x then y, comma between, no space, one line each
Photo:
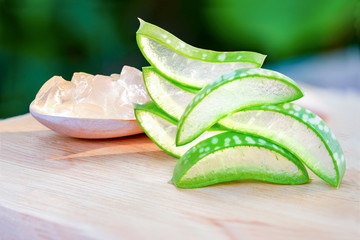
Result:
169,97
161,129
231,156
188,65
232,92
298,130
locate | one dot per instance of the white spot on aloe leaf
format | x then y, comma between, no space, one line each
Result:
275,146
168,41
305,117
297,108
237,139
221,57
326,128
315,120
333,135
286,106
250,140
215,140
227,142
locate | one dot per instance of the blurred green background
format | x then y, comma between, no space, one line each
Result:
42,38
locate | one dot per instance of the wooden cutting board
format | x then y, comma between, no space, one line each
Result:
56,187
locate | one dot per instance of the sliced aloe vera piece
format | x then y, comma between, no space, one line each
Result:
298,130
232,92
231,156
188,65
169,97
161,129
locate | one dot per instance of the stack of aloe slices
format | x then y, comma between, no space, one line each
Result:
226,118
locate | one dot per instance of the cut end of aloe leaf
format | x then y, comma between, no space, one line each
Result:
298,130
188,65
161,128
140,21
232,92
232,156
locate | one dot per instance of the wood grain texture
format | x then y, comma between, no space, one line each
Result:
56,187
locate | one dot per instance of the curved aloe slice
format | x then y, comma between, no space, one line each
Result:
169,97
190,66
298,130
161,129
230,156
232,92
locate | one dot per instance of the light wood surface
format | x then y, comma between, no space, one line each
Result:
56,187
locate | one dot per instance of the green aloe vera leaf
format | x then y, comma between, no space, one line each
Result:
189,66
165,94
232,92
298,130
161,128
232,156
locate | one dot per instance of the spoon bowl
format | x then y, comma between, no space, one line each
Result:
89,128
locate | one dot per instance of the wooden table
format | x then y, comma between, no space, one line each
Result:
55,187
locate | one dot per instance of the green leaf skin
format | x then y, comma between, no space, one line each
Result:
232,156
299,131
232,92
161,128
190,66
